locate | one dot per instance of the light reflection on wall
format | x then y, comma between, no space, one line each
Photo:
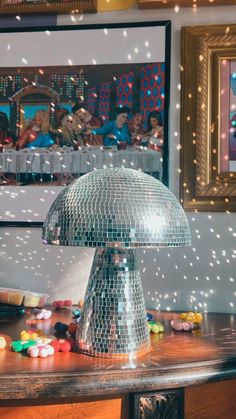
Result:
201,277
60,272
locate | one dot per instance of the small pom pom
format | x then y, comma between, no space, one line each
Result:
43,353
61,327
67,303
65,346
55,345
33,352
3,343
72,329
71,342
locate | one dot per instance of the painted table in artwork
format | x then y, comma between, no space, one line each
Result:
66,160
184,375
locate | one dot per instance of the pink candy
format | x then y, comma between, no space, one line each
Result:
40,350
42,314
179,325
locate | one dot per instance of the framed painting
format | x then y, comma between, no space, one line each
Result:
156,4
76,99
20,7
208,121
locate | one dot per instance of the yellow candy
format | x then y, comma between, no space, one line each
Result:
34,335
149,327
198,318
161,327
182,316
24,336
155,328
2,342
190,317
31,335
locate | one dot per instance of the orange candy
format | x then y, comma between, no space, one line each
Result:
72,329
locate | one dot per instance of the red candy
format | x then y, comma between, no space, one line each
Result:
62,303
56,345
65,346
58,304
68,303
71,341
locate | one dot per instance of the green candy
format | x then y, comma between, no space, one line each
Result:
156,327
21,345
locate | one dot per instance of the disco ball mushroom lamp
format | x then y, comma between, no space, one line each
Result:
115,211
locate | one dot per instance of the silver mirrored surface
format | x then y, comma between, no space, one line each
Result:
114,321
116,207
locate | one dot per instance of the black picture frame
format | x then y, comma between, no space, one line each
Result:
18,216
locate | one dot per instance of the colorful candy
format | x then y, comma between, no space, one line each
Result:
21,345
80,304
149,316
190,316
3,343
76,312
40,350
41,314
31,334
61,327
45,340
156,327
180,325
56,345
62,303
63,345
72,328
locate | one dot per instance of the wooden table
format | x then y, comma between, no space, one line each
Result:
191,375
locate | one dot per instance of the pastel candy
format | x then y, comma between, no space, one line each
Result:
33,352
40,350
43,353
177,325
43,314
50,350
149,326
47,314
187,326
39,316
161,327
155,328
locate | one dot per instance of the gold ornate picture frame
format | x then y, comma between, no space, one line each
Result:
208,118
8,7
159,4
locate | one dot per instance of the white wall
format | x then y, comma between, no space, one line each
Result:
201,276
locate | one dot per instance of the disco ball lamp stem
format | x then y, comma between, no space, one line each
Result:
114,321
